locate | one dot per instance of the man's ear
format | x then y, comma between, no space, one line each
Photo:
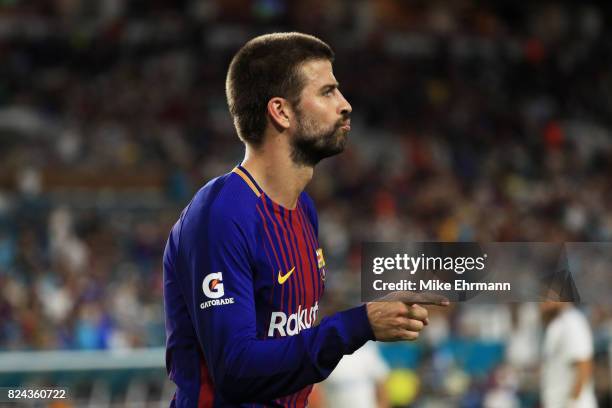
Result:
280,113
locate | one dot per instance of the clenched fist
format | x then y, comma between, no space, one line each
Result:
399,316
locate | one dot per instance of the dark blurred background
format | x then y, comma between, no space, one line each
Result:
472,121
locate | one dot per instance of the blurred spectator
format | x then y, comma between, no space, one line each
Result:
567,378
358,380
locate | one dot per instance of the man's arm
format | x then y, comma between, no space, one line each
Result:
247,369
382,397
583,370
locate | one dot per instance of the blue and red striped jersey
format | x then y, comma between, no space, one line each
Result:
243,278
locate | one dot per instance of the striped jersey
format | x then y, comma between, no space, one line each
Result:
243,278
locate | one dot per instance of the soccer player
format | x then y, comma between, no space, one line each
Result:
243,268
358,381
567,372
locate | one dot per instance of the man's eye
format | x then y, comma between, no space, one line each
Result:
328,92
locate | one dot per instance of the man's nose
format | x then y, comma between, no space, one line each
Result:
345,106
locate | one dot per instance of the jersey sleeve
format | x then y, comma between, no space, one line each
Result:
243,367
578,338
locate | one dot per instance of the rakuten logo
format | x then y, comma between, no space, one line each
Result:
302,319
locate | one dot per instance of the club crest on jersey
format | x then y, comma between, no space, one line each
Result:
321,263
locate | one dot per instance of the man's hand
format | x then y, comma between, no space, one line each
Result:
399,316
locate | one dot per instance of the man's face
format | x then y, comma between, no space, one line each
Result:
323,123
550,307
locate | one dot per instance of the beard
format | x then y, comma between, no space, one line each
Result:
312,143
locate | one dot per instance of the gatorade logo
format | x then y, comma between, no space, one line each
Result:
213,286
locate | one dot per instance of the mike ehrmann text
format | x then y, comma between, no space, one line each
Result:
438,285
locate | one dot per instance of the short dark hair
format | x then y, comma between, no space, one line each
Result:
266,67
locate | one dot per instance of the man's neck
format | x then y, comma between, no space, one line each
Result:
276,173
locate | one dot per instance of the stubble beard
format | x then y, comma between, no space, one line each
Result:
311,143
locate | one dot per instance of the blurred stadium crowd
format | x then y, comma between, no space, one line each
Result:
470,122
